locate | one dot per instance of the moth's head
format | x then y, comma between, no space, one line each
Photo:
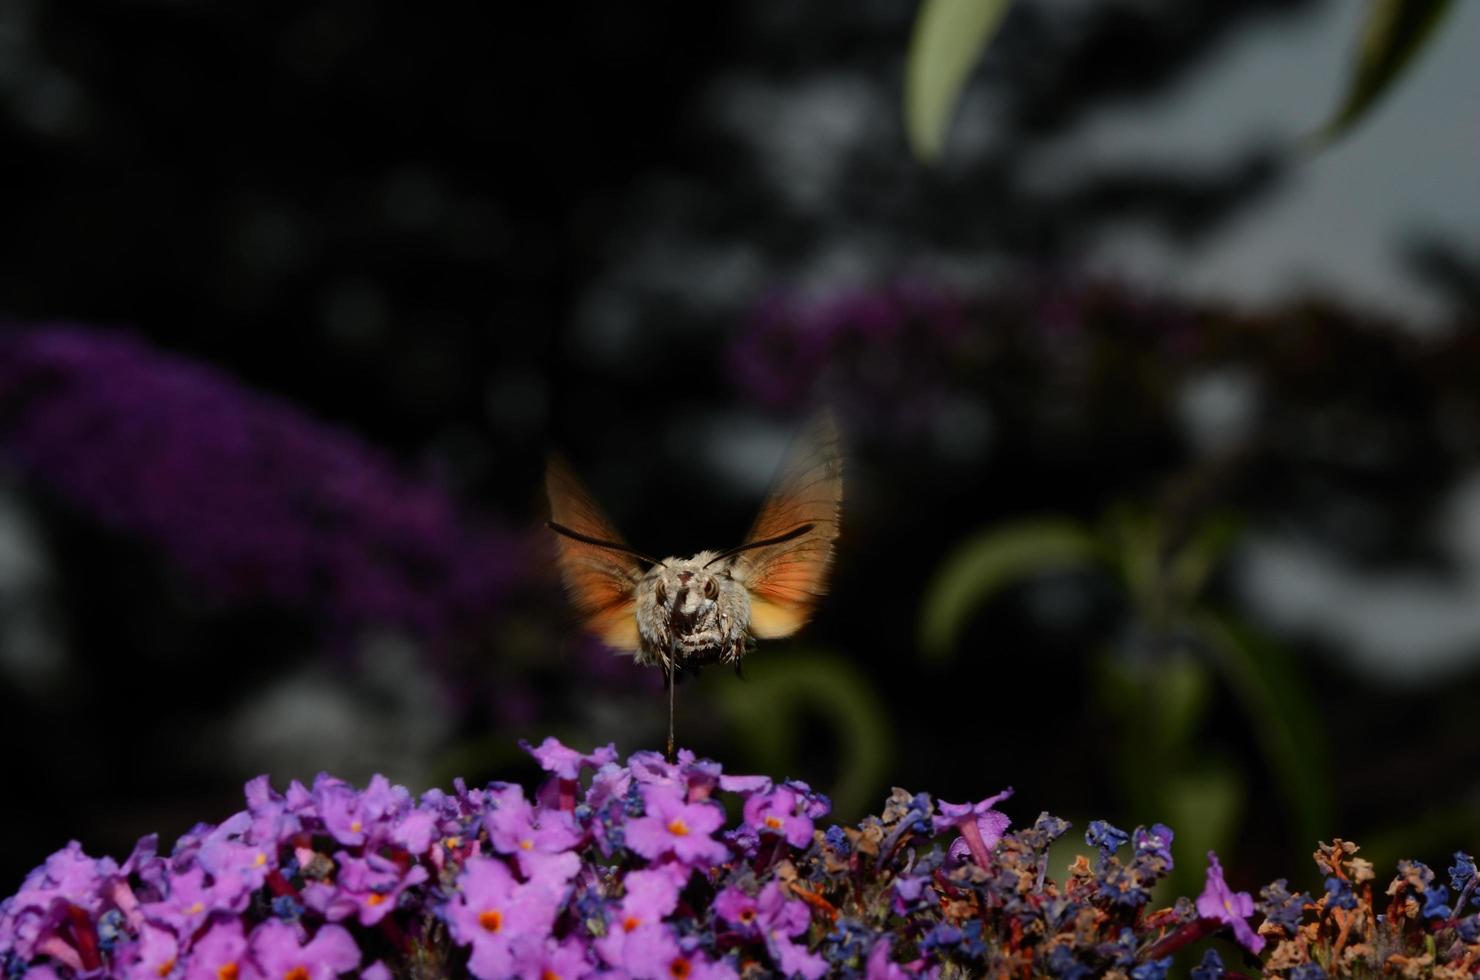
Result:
689,603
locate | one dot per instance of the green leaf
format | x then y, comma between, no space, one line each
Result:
1395,32
985,564
1205,807
1283,718
768,711
948,39
1193,563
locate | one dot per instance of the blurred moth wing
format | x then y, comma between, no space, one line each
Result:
785,580
600,579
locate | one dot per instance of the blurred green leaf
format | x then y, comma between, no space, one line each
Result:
948,40
1179,693
1436,830
1396,31
1283,718
986,563
1194,562
1135,541
767,712
1204,807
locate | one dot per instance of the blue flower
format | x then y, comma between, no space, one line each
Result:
943,934
1105,837
287,908
1124,885
1469,929
1121,952
1152,970
1435,903
838,840
1463,871
1045,830
1307,971
1280,906
1211,967
110,929
972,943
849,940
1339,894
1063,964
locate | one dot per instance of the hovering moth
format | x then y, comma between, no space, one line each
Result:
683,613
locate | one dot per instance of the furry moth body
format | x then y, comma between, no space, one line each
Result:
680,613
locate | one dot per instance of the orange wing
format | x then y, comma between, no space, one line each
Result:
785,580
600,581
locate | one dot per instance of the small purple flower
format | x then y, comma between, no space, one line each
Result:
491,909
191,902
811,804
1219,902
367,888
277,950
567,763
414,830
793,959
238,869
1154,843
551,959
907,891
516,827
155,954
651,895
776,812
651,767
744,784
652,952
738,909
672,826
610,783
219,953
880,966
272,821
981,826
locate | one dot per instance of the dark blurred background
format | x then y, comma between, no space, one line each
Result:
1163,497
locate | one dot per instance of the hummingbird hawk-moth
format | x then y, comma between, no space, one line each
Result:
683,613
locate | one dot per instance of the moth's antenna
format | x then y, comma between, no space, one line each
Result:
791,535
610,545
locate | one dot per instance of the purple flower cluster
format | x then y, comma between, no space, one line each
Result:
255,501
862,345
639,870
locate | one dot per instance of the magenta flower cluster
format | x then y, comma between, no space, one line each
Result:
647,869
256,502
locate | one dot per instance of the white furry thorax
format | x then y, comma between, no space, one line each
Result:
690,612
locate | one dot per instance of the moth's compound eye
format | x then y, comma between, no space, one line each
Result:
711,588
662,593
